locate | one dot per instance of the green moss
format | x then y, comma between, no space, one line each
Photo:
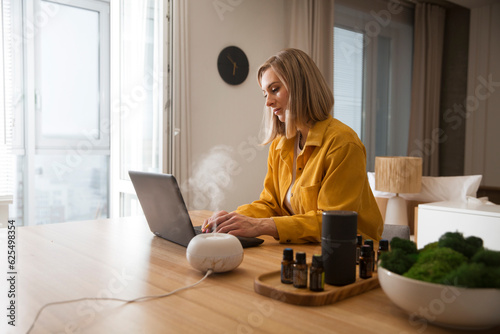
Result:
474,242
397,261
457,242
429,246
405,245
489,257
473,275
434,264
453,260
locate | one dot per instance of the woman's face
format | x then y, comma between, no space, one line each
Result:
275,93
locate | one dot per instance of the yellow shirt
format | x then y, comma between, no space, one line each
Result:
330,175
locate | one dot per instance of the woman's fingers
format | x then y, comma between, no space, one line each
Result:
239,225
211,223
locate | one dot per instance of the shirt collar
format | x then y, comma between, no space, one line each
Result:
317,132
314,137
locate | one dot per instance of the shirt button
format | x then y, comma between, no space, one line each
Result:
288,240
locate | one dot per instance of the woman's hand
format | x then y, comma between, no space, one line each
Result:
210,223
240,225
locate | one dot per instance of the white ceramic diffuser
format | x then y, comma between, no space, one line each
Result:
217,251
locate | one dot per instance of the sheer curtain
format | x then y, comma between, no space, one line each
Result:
138,137
310,29
140,45
182,115
424,134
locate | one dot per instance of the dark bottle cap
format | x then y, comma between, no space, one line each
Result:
301,258
383,244
359,240
339,225
366,250
288,254
369,242
317,260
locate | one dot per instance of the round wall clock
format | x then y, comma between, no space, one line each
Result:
232,64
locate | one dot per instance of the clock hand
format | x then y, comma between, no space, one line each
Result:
234,64
231,60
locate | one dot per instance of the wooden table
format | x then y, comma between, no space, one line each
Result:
121,258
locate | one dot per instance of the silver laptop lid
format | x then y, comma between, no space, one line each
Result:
162,203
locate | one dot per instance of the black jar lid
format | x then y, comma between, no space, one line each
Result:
339,225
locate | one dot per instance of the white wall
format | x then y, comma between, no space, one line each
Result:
230,115
482,153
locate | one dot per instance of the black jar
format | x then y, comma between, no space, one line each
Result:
338,246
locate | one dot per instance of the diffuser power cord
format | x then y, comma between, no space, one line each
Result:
127,301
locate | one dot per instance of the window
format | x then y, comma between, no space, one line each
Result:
348,78
62,122
74,128
372,74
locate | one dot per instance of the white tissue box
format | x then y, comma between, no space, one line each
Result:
470,218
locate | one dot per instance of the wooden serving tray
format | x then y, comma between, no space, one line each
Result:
270,285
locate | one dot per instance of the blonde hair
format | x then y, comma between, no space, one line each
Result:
310,98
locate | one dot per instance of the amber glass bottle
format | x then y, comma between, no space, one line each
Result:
359,243
317,274
300,271
287,266
383,246
366,262
369,242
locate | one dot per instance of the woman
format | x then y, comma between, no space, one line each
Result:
315,162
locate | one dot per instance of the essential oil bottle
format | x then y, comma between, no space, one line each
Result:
383,246
359,243
317,274
369,242
366,262
287,266
300,271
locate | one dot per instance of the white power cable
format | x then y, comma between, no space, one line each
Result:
209,272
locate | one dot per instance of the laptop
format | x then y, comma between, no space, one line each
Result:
166,213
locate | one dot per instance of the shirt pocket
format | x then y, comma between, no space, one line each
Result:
309,197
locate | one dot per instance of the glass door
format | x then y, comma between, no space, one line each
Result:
71,160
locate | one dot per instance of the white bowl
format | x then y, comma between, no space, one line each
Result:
217,251
444,305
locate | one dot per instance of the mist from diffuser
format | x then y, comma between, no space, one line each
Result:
399,175
211,179
220,252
